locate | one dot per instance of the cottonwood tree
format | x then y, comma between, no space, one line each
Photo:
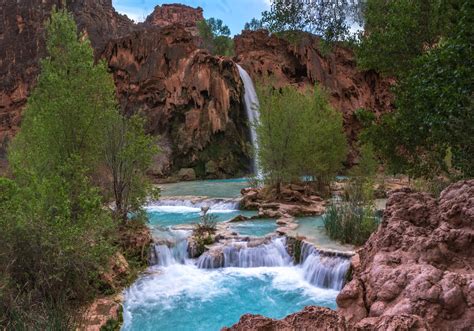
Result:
299,134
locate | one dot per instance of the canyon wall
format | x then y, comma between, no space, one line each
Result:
192,99
267,57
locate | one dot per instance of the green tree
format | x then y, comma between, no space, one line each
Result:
57,233
299,134
216,36
431,132
397,32
128,154
254,24
329,19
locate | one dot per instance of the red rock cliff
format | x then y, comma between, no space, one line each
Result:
303,64
176,14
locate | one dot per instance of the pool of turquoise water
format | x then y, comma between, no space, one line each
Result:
185,298
313,229
259,227
219,188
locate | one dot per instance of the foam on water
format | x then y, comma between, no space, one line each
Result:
184,297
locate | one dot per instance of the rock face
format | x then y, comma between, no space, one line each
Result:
176,14
415,273
303,64
419,262
191,98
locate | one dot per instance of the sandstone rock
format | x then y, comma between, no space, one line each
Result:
311,318
186,174
419,262
170,14
98,313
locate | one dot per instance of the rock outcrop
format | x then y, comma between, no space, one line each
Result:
191,98
415,273
303,64
420,261
176,14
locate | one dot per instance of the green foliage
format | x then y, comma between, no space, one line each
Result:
203,232
354,218
215,36
398,31
56,234
299,134
432,131
365,117
331,20
254,24
128,154
350,223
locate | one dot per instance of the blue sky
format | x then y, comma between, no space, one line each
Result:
234,13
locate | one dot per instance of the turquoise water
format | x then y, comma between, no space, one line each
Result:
313,229
259,228
183,297
219,188
166,217
178,296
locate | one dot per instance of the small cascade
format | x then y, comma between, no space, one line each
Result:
171,252
322,270
190,205
251,107
243,255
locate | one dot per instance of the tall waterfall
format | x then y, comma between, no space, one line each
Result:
323,271
251,107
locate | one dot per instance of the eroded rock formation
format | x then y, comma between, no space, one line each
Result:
304,64
419,262
415,273
192,99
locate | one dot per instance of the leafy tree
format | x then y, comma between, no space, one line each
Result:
432,130
254,24
215,35
128,154
329,19
398,31
57,233
299,135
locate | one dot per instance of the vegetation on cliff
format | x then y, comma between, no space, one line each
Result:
57,235
215,36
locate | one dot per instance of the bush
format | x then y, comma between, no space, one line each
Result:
350,223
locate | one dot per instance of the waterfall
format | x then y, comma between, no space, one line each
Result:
322,270
171,252
242,255
251,107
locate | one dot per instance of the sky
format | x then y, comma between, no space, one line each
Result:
234,13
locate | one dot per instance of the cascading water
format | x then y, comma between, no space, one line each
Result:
173,251
239,254
323,271
251,107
